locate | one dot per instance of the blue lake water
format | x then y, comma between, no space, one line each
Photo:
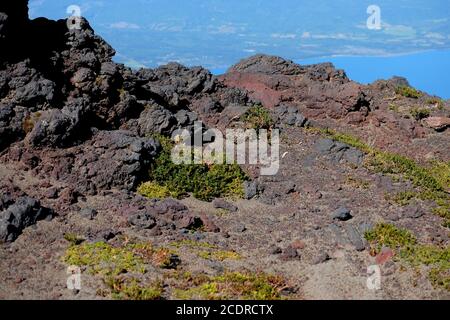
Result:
426,71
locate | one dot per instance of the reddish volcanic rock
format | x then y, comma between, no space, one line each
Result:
319,90
437,123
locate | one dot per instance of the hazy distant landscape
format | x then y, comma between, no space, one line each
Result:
216,34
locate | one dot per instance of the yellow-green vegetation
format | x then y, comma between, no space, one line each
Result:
402,198
357,183
122,268
121,265
387,235
121,92
131,289
344,138
219,255
106,259
207,250
153,190
230,285
441,172
204,181
258,117
432,181
419,113
408,92
73,238
438,259
409,250
30,121
436,102
394,107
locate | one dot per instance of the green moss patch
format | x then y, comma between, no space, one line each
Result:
121,267
408,92
204,181
420,113
131,289
106,259
230,285
219,255
153,190
405,244
258,117
387,235
357,183
73,239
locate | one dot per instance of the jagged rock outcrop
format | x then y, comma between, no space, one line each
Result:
317,90
18,214
113,159
71,115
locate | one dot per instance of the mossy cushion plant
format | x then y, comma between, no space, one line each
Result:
204,181
120,266
420,113
230,285
258,117
408,92
407,248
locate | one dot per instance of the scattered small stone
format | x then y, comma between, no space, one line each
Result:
155,232
250,189
355,238
321,258
51,193
365,226
290,253
437,123
288,187
414,212
287,291
389,268
222,204
384,256
239,228
109,235
88,213
209,225
275,250
170,206
173,262
216,266
298,244
393,216
190,223
318,195
198,236
342,214
142,221
69,196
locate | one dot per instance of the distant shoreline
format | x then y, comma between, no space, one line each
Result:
427,71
